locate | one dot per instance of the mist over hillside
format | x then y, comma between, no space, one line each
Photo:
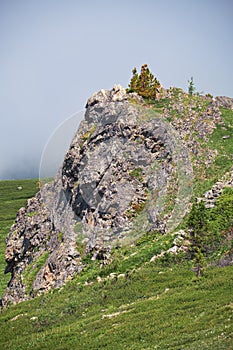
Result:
44,163
49,65
19,168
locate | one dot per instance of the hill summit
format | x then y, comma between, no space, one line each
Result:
131,169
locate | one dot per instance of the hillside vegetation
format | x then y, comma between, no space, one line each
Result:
162,291
130,304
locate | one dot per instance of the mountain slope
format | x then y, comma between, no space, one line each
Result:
134,286
159,305
130,170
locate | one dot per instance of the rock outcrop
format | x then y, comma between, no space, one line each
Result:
211,196
127,172
226,102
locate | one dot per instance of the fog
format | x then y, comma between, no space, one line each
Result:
55,54
55,150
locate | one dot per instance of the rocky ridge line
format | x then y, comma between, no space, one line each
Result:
113,185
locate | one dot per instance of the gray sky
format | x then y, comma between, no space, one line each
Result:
54,54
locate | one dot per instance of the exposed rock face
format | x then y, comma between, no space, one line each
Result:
215,192
226,102
194,118
115,183
36,248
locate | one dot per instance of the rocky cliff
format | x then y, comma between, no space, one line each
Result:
127,171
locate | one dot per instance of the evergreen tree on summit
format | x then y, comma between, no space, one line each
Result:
145,83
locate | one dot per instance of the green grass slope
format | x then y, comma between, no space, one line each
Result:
153,308
130,304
